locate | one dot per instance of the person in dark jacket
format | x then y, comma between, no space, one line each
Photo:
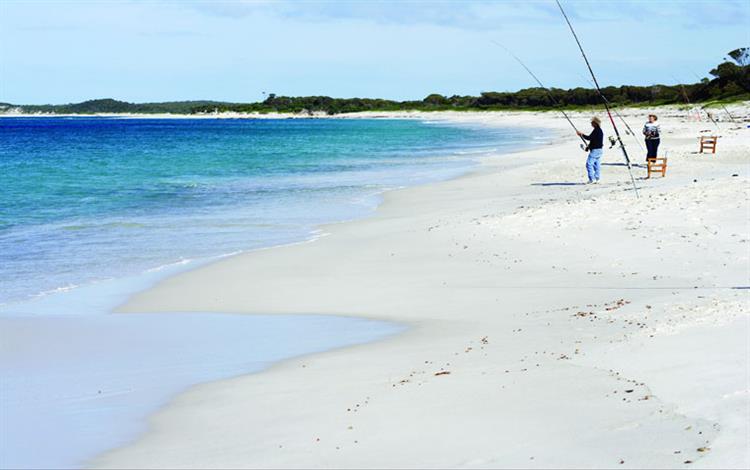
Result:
596,143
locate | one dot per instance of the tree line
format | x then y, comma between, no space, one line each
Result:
731,81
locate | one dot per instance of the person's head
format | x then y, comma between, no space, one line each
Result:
652,118
596,122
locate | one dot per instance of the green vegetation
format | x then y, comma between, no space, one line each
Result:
730,82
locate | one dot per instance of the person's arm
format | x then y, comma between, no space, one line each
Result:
645,129
581,134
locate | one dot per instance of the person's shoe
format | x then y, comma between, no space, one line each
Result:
596,182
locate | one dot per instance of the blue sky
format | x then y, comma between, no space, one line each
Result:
69,51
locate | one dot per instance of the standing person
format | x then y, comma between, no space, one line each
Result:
651,131
596,142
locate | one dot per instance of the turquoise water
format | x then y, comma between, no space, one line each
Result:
89,199
95,209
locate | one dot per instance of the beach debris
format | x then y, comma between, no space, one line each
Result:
703,449
616,304
688,462
442,372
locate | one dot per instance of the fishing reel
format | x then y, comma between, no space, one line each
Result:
585,148
612,141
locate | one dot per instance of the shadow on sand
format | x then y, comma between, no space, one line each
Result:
558,184
634,165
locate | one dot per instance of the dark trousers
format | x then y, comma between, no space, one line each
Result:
652,145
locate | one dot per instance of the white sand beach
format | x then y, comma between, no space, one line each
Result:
551,323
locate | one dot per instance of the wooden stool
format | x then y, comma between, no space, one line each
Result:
656,165
708,142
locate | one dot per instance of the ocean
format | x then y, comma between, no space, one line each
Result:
90,199
93,209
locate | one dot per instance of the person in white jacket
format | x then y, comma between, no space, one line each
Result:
651,131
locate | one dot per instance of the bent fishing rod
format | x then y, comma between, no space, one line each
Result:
549,92
599,91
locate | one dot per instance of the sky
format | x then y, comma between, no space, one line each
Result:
62,51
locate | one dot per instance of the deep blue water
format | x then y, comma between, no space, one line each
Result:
87,199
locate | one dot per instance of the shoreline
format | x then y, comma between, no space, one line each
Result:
672,109
109,293
169,427
176,266
112,407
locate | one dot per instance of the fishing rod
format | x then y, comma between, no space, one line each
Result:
728,113
637,140
687,100
682,88
731,118
606,105
711,118
549,92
